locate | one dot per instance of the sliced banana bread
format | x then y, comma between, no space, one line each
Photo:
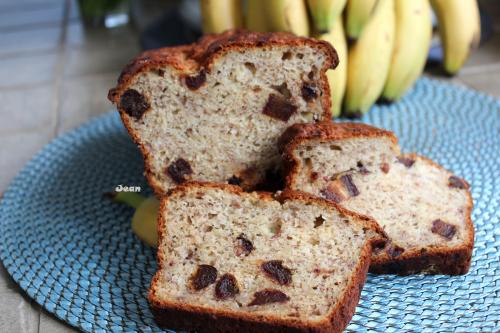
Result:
214,110
248,262
424,209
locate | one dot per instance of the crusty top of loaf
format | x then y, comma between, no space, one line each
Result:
328,130
190,58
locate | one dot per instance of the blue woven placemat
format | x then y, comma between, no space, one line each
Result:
74,253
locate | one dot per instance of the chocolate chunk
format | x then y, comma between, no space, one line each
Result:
318,221
234,181
331,193
160,72
362,169
179,169
443,229
204,276
195,82
385,167
279,108
349,185
309,92
456,182
133,103
267,296
313,176
395,250
286,55
276,271
226,287
406,161
244,246
251,67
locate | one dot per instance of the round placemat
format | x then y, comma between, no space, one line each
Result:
74,253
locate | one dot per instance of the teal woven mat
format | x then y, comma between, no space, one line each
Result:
74,253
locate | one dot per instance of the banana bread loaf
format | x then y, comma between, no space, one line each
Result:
214,110
424,209
236,261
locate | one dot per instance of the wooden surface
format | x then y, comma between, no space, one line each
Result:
54,76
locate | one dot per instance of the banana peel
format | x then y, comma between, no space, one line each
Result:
144,220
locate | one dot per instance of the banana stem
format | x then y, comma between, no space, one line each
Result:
131,199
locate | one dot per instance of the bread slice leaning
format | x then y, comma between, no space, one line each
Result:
214,110
250,262
424,209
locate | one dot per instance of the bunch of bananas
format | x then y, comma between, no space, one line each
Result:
382,44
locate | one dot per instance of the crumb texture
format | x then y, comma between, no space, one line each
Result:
224,120
293,260
419,205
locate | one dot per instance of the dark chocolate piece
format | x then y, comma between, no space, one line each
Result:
204,276
226,287
349,185
179,169
133,103
443,229
196,81
309,92
279,108
267,296
244,245
276,271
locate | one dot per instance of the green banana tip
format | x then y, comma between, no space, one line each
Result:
109,195
130,199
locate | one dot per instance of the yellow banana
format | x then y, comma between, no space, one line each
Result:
358,13
220,15
325,13
411,46
369,59
287,15
255,19
144,221
460,30
337,78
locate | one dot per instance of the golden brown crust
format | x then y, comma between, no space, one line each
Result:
200,56
435,260
321,132
178,315
193,57
328,130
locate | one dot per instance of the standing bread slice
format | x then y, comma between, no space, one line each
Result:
214,110
424,209
232,261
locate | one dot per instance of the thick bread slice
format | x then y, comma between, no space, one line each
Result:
424,209
232,261
214,110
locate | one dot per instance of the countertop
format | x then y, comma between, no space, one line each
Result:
54,76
